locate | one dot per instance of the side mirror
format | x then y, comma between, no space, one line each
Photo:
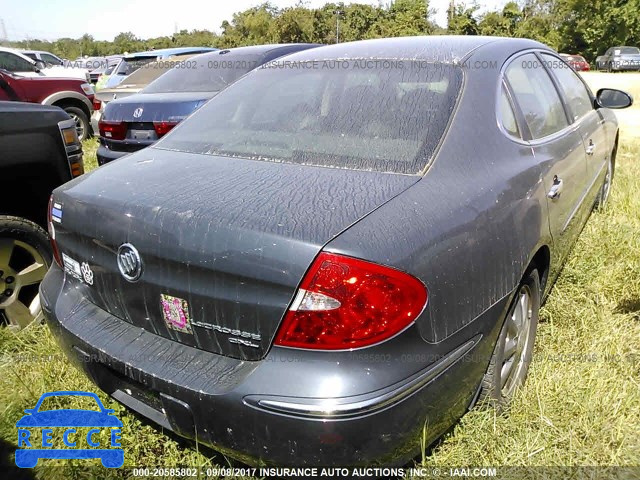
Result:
40,65
611,98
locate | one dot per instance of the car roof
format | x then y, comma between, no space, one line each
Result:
169,51
36,51
259,49
435,48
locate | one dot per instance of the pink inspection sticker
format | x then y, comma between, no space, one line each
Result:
175,312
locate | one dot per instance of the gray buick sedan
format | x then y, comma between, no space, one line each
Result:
345,246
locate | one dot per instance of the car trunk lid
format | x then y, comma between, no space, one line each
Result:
148,117
224,242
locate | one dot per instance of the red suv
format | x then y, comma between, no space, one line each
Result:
74,96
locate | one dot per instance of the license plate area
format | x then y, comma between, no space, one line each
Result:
136,134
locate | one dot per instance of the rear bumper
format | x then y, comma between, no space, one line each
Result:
105,155
624,66
240,408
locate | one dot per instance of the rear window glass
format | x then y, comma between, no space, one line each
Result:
129,65
627,51
373,114
152,70
109,70
209,74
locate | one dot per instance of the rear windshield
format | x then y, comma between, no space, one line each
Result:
151,71
111,67
371,114
209,74
129,65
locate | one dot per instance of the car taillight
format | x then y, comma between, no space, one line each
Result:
163,128
112,130
52,230
345,303
96,104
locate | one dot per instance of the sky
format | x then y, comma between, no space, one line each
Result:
104,19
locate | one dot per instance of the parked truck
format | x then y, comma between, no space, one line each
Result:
39,150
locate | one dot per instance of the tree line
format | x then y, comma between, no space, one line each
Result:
587,27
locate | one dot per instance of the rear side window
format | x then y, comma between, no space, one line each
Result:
355,114
14,63
50,59
506,114
574,91
536,95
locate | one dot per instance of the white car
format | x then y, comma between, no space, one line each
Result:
18,63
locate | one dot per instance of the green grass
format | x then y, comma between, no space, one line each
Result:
579,407
90,147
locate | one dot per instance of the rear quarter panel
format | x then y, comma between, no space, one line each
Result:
470,227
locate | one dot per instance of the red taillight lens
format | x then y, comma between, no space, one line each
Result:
52,230
163,128
96,104
113,130
345,303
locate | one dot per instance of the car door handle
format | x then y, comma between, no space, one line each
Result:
591,149
556,189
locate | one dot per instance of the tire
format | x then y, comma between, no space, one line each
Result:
605,190
83,126
25,257
495,389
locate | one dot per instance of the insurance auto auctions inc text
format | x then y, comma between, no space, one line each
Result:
363,472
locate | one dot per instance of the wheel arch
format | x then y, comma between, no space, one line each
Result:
72,102
541,261
614,154
69,99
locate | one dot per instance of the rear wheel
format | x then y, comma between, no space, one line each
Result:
82,121
512,354
25,256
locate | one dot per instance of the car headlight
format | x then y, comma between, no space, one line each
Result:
87,88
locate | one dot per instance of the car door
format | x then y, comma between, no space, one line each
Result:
6,92
557,146
590,122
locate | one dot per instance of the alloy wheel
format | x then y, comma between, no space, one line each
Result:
79,125
22,268
516,341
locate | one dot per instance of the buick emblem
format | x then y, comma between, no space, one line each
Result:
129,262
137,113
